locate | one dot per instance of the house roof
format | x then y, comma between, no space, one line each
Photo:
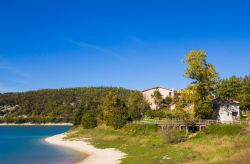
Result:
220,101
157,87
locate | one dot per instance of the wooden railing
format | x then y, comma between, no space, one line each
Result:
178,122
182,125
189,121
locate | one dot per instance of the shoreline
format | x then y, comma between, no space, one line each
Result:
94,155
35,124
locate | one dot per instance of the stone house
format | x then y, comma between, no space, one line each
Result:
165,92
226,111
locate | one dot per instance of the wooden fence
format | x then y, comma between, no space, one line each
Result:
186,125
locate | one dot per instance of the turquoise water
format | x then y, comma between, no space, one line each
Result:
25,145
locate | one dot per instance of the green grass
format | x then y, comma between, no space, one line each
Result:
139,129
223,129
145,144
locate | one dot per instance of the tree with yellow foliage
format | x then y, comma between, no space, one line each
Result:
204,77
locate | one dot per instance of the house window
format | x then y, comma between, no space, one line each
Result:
170,94
235,114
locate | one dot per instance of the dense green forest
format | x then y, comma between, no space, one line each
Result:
68,105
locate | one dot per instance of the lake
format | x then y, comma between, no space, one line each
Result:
26,145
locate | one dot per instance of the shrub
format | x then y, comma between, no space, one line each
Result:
169,114
156,114
245,115
179,114
173,136
203,110
140,129
9,119
89,119
222,129
20,120
1,120
119,118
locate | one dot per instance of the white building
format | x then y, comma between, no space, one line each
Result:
226,111
148,93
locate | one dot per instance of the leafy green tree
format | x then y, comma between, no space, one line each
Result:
115,113
204,78
109,105
235,88
77,119
167,101
157,96
183,98
89,119
137,106
119,117
245,94
229,89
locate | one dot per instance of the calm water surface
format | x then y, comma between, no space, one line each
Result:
25,145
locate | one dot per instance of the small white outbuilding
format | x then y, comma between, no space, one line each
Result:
226,111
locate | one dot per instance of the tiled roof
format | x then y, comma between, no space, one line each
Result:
157,87
219,101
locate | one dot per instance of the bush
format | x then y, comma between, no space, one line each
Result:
140,129
245,115
222,129
20,120
169,115
9,119
179,114
203,110
173,136
1,120
156,114
119,118
89,119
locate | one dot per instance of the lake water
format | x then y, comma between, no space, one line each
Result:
26,145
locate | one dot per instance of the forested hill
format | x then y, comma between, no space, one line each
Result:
57,105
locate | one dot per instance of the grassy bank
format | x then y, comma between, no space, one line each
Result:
146,144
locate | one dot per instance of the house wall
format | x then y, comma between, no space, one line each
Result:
165,93
225,112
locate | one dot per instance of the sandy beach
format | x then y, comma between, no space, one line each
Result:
95,155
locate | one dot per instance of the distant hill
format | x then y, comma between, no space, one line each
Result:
53,105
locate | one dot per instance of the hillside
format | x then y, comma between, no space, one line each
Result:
55,105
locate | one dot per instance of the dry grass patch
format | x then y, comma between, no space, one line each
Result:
242,157
242,147
219,150
111,138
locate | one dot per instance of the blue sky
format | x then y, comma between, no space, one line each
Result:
134,44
